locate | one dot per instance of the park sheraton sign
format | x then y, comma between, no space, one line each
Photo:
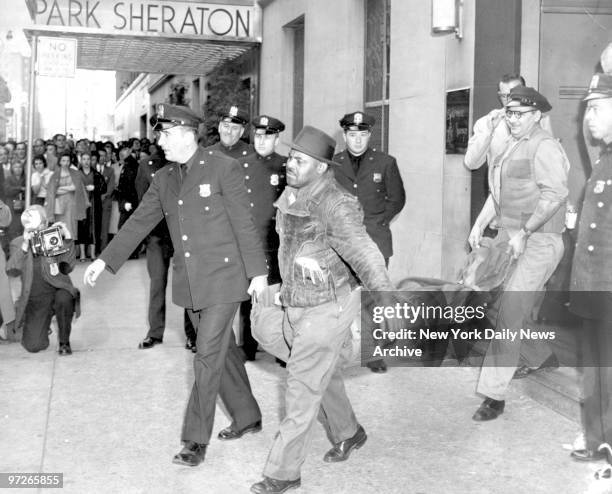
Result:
236,20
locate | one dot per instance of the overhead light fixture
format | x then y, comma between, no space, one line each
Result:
447,17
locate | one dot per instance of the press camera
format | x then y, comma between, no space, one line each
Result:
48,242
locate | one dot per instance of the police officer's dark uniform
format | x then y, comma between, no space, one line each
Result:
265,180
375,179
159,253
216,251
591,293
241,149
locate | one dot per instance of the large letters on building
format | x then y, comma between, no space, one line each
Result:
148,16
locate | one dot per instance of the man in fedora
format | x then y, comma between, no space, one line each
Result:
321,234
216,252
528,193
232,124
375,179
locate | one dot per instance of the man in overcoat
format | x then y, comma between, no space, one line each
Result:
216,252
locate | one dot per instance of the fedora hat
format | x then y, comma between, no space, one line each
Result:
316,144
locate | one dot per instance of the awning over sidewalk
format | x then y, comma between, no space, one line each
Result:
162,37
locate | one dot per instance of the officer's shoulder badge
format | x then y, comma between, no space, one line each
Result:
204,190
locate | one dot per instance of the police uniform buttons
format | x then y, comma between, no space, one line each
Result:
252,205
201,162
184,237
249,191
166,213
206,208
180,202
354,186
187,254
152,174
210,152
600,204
244,153
170,169
226,259
590,248
246,165
593,225
609,182
371,158
150,162
246,177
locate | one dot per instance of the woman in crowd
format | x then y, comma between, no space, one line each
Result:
89,228
40,180
66,195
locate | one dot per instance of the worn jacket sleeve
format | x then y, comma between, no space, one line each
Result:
348,237
142,183
236,203
396,196
551,170
148,214
67,260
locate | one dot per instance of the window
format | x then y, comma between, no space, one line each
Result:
376,73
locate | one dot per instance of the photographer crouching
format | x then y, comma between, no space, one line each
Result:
43,257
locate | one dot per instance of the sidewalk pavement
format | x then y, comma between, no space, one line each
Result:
109,417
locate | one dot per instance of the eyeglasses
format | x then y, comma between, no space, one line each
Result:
517,114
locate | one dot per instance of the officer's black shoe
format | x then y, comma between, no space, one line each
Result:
231,433
64,349
274,486
250,355
191,455
490,409
191,345
342,450
377,366
149,342
588,455
282,363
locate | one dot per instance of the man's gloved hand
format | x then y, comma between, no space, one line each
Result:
127,206
93,271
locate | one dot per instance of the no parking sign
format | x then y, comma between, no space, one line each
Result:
56,57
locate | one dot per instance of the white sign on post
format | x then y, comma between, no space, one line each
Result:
56,57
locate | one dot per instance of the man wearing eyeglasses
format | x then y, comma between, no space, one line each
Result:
528,193
491,132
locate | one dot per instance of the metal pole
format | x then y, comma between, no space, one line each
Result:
31,102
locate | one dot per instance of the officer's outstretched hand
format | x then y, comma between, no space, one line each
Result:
93,271
257,286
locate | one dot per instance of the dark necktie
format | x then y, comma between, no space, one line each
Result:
184,171
355,161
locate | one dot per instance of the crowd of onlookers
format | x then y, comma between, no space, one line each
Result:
89,185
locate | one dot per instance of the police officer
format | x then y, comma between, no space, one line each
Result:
216,251
591,281
264,176
375,179
159,252
232,124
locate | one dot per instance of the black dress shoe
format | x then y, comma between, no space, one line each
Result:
377,366
191,455
588,455
191,345
282,363
342,450
274,486
489,409
549,364
64,349
149,342
231,433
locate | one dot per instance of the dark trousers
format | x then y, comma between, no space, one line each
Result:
104,224
597,382
218,369
159,254
38,313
